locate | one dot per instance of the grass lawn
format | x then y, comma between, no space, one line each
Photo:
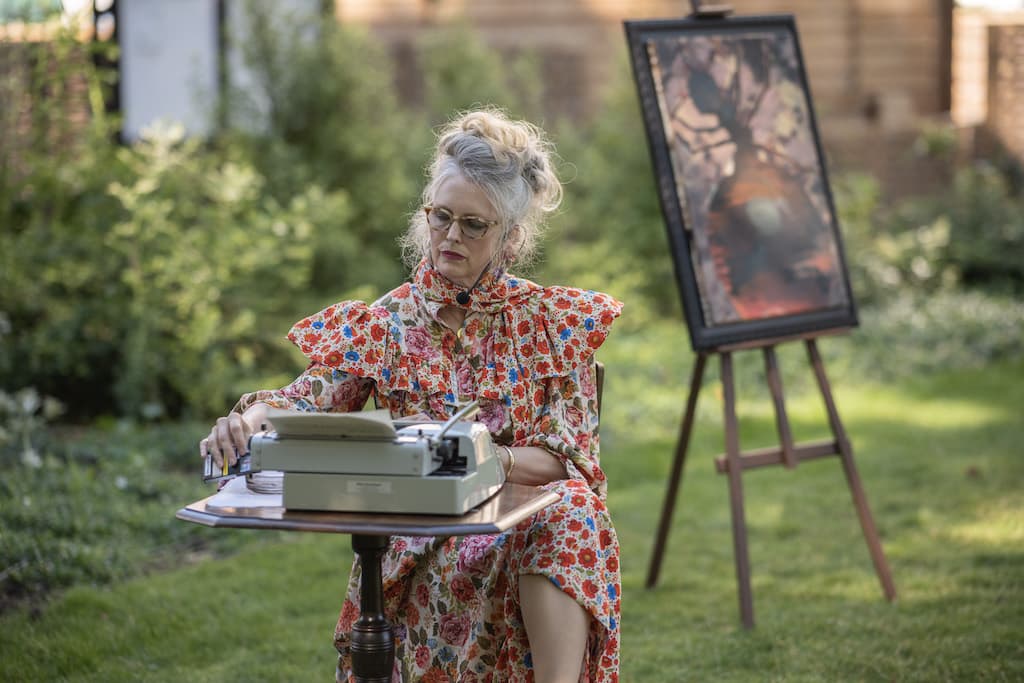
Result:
940,458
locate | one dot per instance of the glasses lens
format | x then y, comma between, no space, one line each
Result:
474,227
439,218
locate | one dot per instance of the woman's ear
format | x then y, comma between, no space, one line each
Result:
513,243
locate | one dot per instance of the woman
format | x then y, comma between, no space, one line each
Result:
541,601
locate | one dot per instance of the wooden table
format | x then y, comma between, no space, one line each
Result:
373,646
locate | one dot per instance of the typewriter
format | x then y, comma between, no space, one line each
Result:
365,462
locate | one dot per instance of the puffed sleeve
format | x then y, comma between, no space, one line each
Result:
556,350
346,345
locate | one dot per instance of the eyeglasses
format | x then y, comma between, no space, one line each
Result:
472,227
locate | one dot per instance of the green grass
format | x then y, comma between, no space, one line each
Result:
940,458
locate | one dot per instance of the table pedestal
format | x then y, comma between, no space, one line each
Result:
373,644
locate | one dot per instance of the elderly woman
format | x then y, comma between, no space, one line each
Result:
541,601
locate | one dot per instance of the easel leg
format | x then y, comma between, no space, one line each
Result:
860,500
739,524
668,508
373,645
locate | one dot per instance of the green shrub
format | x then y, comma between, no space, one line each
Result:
342,130
461,71
890,248
986,213
150,293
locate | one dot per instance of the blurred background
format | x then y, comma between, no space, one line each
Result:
180,181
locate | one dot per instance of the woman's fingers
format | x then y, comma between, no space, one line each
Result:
240,431
210,448
229,437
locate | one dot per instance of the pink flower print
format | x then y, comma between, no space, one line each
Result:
454,629
465,376
463,589
573,418
487,348
588,385
419,342
492,414
474,552
346,394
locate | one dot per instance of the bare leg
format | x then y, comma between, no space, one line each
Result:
557,628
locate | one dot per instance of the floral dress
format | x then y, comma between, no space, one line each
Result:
526,353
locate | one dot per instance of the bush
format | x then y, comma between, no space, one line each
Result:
342,130
986,215
145,294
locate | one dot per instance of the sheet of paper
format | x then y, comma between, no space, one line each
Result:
368,424
236,497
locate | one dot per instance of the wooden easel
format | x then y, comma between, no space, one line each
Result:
787,453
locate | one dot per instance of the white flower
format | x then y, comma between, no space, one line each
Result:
29,400
30,458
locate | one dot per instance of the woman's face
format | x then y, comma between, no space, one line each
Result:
458,258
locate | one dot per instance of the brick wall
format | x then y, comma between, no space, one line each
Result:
876,67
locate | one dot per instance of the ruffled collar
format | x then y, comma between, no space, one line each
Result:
496,291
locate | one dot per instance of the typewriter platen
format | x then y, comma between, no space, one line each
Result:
364,462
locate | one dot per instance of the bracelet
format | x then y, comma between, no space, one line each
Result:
511,462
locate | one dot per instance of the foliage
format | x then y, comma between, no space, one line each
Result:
986,213
159,297
970,236
461,71
342,130
891,248
55,295
23,416
207,255
915,334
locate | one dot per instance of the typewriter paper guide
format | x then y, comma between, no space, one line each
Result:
366,425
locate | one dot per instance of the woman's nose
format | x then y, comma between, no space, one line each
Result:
454,231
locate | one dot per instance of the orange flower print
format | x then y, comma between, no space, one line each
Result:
587,557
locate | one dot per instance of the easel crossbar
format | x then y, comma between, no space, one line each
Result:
774,455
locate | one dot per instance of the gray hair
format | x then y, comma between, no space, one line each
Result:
511,162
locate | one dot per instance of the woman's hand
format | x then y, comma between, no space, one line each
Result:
229,437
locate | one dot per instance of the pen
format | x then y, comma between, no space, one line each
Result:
224,466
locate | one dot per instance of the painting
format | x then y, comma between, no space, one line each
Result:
741,179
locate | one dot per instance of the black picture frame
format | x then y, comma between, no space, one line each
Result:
741,179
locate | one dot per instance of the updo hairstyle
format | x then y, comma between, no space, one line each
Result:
511,162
